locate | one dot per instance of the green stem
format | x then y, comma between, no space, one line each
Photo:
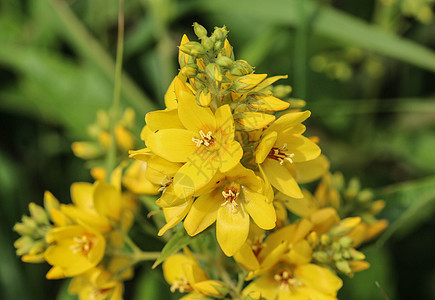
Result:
89,47
115,109
300,53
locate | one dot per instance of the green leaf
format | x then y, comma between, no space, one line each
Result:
408,204
328,22
178,241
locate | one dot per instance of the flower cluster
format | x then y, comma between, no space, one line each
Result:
227,158
83,240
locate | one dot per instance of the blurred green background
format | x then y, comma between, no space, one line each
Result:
365,68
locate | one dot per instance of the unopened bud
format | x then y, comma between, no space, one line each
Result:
200,31
86,150
346,242
282,91
248,82
343,266
365,195
325,240
356,255
208,43
203,98
321,256
38,213
214,72
193,49
190,70
220,34
241,68
50,201
345,226
218,46
224,62
248,121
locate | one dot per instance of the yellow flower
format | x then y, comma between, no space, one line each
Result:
184,274
206,145
301,282
96,284
229,200
135,179
282,148
75,249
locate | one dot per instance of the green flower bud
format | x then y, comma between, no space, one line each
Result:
337,256
219,34
321,256
365,195
343,266
200,31
38,213
193,49
281,91
190,70
224,62
241,68
218,46
208,43
325,240
346,242
214,72
356,255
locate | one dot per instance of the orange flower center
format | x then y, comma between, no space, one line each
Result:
280,154
205,139
83,244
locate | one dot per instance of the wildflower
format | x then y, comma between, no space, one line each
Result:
184,274
205,146
230,200
282,146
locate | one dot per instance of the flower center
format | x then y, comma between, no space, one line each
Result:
206,139
99,293
83,244
165,183
281,155
182,285
286,280
257,244
230,196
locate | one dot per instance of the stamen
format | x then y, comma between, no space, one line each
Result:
230,195
286,280
280,155
206,139
82,244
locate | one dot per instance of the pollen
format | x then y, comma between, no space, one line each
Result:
206,139
182,285
82,244
281,155
230,195
286,280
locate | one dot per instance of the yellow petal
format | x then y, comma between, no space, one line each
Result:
169,199
248,121
268,81
175,214
303,207
193,175
324,219
232,228
193,116
229,156
175,145
267,103
311,170
318,278
288,120
81,194
281,178
173,267
300,253
264,287
302,148
260,210
163,119
203,213
225,122
210,288
265,146
247,258
107,200
170,98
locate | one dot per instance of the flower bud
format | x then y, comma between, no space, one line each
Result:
190,70
218,46
38,213
343,266
321,256
193,49
200,31
214,72
220,34
203,98
241,68
281,91
248,121
86,150
208,43
346,242
224,62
